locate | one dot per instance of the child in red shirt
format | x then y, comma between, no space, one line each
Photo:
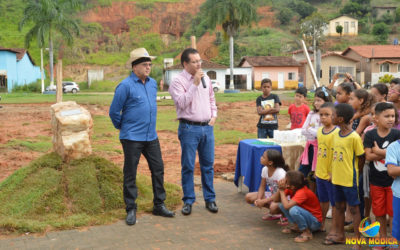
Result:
298,111
303,209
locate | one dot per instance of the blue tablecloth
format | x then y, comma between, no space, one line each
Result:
248,162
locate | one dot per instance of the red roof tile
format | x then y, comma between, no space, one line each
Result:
301,51
20,53
331,53
375,51
271,61
205,65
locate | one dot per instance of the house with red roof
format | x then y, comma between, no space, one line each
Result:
16,68
283,71
331,63
374,61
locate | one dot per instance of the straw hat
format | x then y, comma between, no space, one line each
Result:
137,54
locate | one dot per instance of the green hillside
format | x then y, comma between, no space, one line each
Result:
96,44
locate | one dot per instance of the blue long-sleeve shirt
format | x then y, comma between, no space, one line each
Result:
134,109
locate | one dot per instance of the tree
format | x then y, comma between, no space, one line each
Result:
304,9
339,29
313,26
397,18
284,15
356,8
231,14
381,31
48,17
388,18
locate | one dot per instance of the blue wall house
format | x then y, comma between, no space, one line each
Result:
16,68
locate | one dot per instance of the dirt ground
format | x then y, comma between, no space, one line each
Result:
27,121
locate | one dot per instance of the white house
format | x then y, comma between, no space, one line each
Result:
216,72
349,24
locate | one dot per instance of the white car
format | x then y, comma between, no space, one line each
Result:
70,87
215,85
67,87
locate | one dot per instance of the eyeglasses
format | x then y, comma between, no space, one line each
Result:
146,64
197,62
394,91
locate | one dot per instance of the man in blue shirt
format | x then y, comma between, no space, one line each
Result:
134,112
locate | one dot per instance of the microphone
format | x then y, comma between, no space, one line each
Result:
203,82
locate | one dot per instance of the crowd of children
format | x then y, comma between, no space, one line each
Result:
352,151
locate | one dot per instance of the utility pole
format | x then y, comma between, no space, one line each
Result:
41,68
315,54
59,89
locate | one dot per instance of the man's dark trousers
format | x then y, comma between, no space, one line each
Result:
152,152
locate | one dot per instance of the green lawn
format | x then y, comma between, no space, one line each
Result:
50,194
105,98
104,130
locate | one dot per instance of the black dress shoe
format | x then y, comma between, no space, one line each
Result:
187,209
131,217
161,210
212,207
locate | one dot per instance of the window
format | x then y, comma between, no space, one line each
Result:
398,67
336,24
212,74
353,24
291,76
338,69
384,67
264,75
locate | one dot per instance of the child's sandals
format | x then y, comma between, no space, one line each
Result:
288,230
302,238
271,217
283,221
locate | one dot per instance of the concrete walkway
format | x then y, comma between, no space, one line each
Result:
237,225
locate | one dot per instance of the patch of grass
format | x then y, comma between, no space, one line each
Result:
32,145
103,130
49,194
166,120
229,136
99,86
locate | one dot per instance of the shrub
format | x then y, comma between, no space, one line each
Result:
380,31
284,15
387,18
339,29
387,78
304,9
31,87
397,19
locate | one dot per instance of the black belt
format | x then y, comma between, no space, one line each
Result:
194,123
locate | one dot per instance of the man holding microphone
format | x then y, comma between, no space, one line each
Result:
196,110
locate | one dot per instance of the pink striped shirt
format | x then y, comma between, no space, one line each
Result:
193,103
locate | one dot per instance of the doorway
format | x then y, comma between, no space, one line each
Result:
281,82
3,83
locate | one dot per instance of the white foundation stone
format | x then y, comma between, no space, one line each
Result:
71,126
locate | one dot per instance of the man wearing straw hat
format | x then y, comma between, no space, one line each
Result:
134,112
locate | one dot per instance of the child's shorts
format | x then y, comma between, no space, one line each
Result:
365,177
382,200
324,191
348,194
396,218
